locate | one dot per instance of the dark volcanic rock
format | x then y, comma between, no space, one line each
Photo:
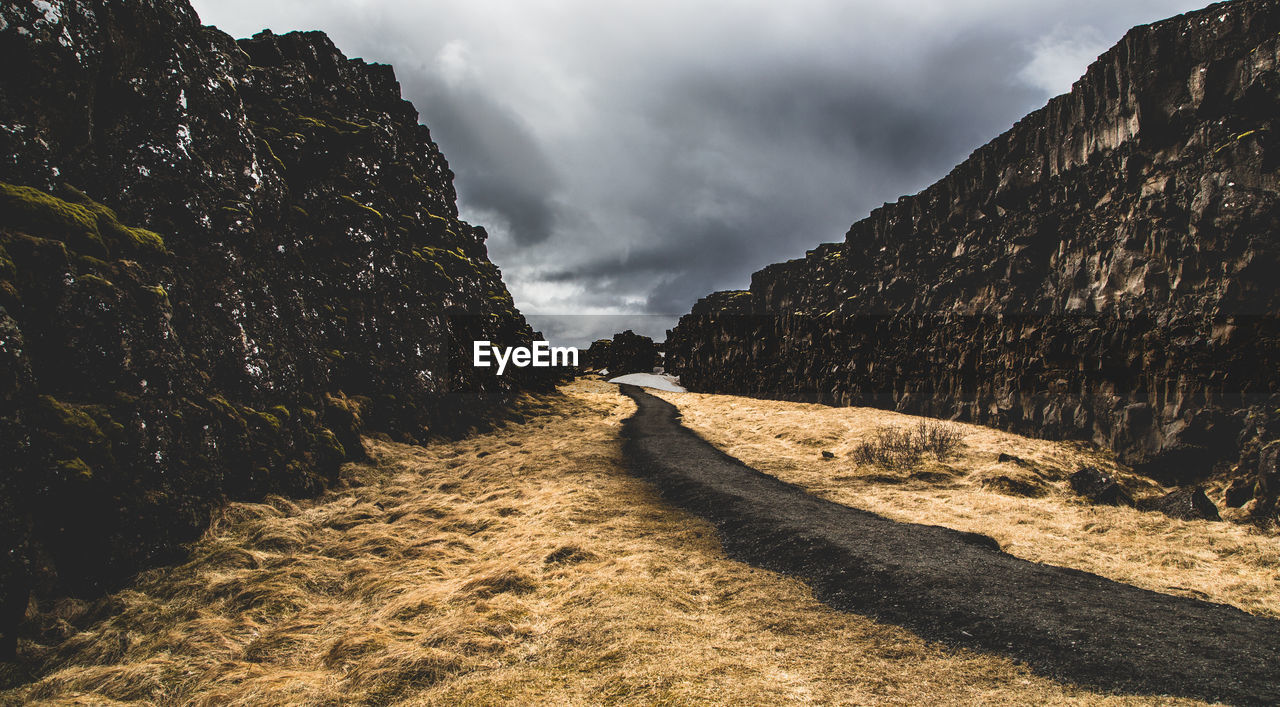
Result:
219,262
1189,503
629,352
1104,270
596,356
1268,478
1239,492
1099,487
1178,464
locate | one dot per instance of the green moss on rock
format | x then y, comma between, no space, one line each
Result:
328,125
91,279
83,224
88,262
328,442
71,420
271,153
74,469
8,270
264,419
70,432
365,207
42,214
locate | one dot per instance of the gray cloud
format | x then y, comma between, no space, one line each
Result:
500,166
628,159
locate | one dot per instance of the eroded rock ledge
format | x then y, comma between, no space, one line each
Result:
1103,270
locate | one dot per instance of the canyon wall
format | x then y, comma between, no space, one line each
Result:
1106,270
220,262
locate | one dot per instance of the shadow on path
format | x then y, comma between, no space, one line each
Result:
957,587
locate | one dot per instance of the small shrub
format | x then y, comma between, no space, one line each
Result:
939,439
893,446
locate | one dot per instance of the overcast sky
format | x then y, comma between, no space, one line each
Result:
629,158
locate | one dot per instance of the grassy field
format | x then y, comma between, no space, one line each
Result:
527,566
1027,507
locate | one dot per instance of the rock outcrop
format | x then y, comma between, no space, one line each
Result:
1187,503
1100,488
1104,270
632,353
219,262
596,357
627,352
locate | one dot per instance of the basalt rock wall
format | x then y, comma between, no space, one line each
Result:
1104,270
220,262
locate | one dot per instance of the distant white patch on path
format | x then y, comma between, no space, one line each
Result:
651,380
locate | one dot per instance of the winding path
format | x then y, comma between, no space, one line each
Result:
957,587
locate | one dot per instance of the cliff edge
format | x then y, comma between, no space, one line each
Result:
220,262
1104,270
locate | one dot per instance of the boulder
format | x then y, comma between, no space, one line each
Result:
596,357
1188,503
630,352
1100,488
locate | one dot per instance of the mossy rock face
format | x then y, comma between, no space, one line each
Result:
33,211
330,125
87,227
329,444
9,297
8,271
74,469
302,278
363,207
70,431
121,238
266,421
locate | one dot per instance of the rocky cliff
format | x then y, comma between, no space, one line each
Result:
1103,270
220,261
627,352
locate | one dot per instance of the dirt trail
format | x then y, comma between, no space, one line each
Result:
958,587
524,565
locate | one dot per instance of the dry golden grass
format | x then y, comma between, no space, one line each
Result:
539,573
1029,509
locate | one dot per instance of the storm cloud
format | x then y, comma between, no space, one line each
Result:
628,159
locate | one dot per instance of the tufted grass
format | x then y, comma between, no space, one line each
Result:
539,573
1025,503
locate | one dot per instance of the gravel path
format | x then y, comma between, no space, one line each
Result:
957,587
